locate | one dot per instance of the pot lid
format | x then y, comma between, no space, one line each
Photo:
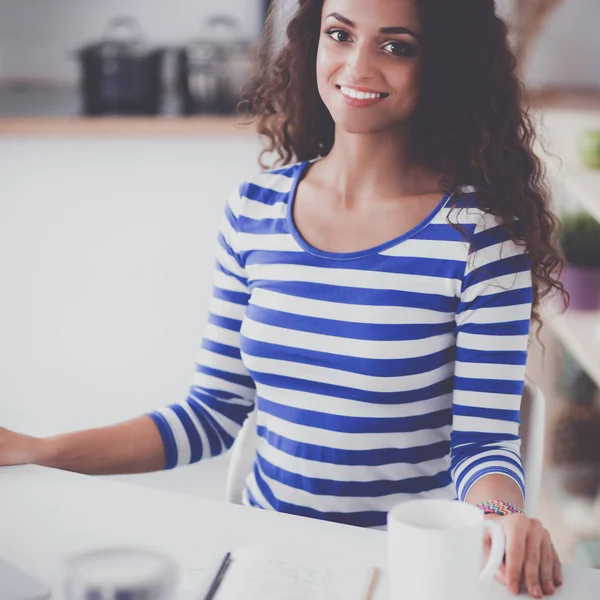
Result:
221,30
122,36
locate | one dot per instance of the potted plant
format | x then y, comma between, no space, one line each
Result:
580,243
589,148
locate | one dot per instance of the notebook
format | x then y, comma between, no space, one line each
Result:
279,573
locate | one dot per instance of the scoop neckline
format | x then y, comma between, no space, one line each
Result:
302,170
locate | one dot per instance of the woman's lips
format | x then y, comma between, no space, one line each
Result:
360,97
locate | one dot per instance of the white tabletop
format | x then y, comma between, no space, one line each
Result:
47,515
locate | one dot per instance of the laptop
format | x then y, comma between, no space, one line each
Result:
17,585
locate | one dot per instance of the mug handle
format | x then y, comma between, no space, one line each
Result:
496,552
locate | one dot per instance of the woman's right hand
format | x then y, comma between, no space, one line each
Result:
17,448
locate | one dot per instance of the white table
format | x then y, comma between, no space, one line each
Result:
47,515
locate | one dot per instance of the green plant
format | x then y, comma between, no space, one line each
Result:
580,240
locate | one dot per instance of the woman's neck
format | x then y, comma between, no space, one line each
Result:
362,167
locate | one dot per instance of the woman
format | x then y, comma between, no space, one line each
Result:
373,295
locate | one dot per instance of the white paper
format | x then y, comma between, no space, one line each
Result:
263,573
197,571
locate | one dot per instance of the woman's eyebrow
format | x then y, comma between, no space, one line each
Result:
386,30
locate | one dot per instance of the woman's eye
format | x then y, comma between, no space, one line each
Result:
339,35
401,49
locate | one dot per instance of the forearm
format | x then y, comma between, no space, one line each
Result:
495,487
134,446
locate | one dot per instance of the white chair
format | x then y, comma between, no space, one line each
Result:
241,460
533,435
532,431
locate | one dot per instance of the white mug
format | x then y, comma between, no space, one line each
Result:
435,550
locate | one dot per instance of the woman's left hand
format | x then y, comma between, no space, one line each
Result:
531,559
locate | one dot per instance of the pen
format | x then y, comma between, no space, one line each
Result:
370,584
214,586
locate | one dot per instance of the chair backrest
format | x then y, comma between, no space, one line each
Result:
241,460
532,432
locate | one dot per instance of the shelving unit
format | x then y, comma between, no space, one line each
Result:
560,130
578,331
574,186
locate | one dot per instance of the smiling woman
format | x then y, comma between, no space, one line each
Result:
409,98
349,58
373,295
448,86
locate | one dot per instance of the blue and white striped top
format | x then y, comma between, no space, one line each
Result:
377,375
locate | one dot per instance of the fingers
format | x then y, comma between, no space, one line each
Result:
531,571
557,570
547,565
515,557
501,575
531,558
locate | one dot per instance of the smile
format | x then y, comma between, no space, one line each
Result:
360,97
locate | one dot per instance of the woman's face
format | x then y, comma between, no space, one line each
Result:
369,62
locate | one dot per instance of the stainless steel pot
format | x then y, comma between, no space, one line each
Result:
121,74
213,68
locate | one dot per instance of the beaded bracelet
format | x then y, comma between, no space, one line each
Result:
499,507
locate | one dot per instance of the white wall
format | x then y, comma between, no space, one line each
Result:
106,256
35,35
568,51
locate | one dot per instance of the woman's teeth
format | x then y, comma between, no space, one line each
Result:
359,95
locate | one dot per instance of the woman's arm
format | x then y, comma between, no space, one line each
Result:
492,332
496,487
131,447
492,336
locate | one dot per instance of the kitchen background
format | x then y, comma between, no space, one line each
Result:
42,64
107,224
39,68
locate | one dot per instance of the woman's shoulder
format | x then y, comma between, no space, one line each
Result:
489,236
264,195
272,186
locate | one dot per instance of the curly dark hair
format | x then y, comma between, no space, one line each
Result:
471,124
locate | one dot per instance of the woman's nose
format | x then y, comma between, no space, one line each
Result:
360,64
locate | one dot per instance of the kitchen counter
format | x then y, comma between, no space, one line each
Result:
117,126
55,111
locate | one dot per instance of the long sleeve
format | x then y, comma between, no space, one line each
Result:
492,331
222,393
